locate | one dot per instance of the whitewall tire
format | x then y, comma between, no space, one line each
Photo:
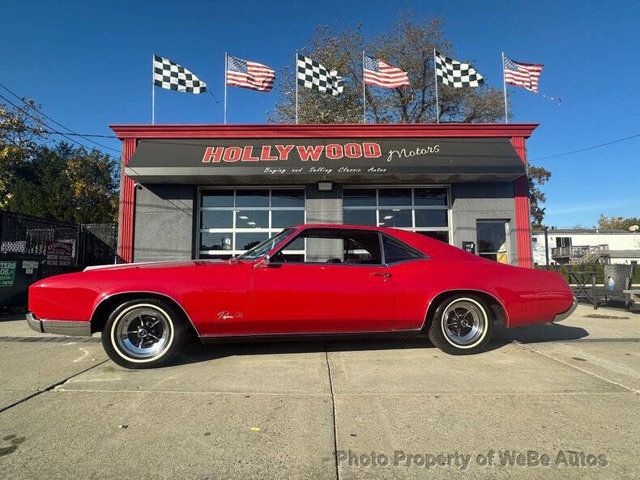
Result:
143,333
461,325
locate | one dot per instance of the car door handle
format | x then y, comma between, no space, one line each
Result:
381,274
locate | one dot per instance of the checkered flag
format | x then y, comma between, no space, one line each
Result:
456,74
170,75
316,77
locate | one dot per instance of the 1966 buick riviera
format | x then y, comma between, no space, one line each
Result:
308,280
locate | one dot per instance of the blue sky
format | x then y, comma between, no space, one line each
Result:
89,65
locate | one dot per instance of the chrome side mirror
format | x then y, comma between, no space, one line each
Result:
262,262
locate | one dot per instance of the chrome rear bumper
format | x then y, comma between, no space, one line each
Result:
563,316
61,327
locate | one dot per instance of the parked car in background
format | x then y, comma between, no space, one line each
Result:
308,280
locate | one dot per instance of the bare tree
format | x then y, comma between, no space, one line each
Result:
409,45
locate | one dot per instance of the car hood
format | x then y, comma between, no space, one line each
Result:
160,264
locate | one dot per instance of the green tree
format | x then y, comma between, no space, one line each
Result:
618,223
66,183
537,176
408,44
21,129
56,181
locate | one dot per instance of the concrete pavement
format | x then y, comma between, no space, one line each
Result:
390,408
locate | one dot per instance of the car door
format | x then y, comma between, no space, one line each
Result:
327,291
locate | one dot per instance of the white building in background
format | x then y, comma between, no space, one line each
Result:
586,246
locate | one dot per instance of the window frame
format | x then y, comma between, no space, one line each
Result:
413,207
420,255
270,230
304,230
507,236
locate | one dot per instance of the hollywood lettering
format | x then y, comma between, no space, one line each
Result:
305,153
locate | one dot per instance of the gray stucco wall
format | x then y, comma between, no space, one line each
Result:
163,222
482,201
323,207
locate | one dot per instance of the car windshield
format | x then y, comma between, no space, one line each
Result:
264,247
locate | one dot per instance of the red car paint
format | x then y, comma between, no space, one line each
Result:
229,298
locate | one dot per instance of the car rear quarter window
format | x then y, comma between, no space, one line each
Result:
396,251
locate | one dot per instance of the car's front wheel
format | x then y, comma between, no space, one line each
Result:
461,325
143,333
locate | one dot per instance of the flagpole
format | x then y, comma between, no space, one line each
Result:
364,94
435,77
504,87
226,64
295,79
153,93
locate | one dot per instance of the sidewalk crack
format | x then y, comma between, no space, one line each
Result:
333,412
50,387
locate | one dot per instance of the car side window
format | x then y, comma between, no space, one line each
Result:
332,246
395,251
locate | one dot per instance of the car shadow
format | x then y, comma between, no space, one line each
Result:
195,351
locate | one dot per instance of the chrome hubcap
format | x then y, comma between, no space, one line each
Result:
143,332
463,322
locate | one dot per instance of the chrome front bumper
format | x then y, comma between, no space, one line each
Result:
563,316
61,327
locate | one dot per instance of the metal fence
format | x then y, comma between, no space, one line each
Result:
32,248
591,282
61,246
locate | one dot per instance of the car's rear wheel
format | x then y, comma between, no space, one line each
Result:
461,325
143,333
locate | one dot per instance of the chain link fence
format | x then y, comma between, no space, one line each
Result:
32,248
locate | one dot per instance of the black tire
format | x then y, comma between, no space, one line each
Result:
132,322
448,319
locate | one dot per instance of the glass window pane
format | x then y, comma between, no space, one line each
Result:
359,197
394,196
252,198
216,219
492,237
287,198
362,247
222,256
297,244
217,198
286,218
395,251
245,241
430,196
252,219
215,241
432,218
359,217
442,236
395,218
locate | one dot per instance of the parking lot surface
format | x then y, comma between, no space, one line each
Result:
566,394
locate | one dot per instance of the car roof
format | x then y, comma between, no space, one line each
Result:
338,226
427,245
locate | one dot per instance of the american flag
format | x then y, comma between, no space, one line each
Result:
243,73
521,74
381,74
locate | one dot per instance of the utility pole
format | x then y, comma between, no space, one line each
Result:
546,246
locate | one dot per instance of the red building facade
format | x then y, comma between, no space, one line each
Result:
217,189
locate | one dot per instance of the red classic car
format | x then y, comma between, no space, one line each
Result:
307,280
